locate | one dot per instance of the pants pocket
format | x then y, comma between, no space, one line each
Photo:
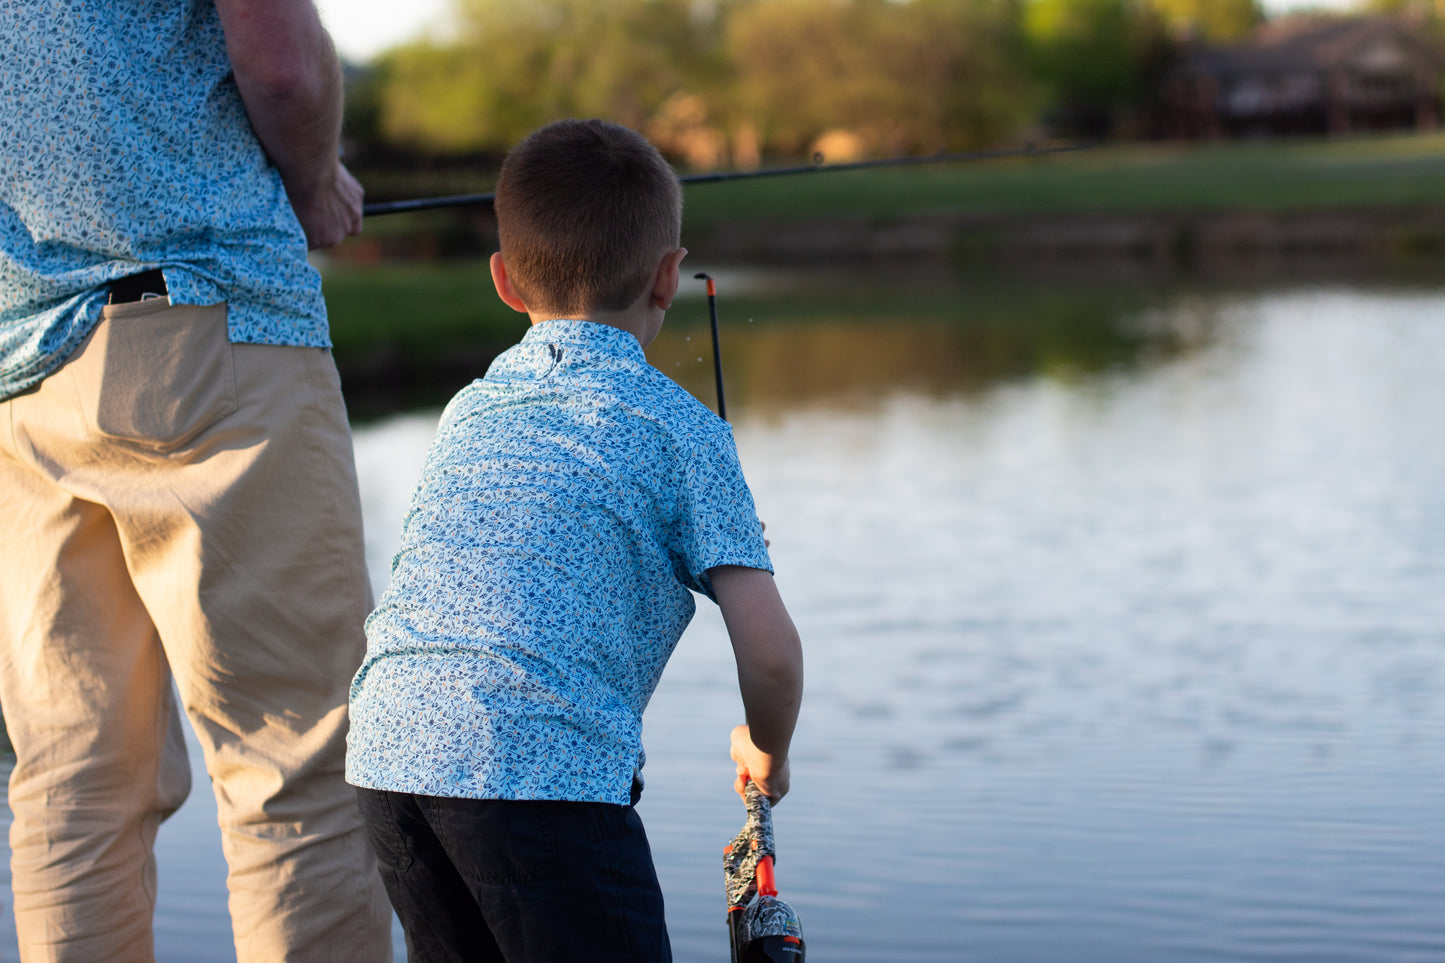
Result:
156,375
387,835
497,842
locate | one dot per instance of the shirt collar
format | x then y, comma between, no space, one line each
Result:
590,334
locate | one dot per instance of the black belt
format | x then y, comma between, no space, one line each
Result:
137,287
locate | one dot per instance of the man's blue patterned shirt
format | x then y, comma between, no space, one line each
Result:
571,500
124,146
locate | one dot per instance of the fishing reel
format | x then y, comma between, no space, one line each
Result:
761,927
771,932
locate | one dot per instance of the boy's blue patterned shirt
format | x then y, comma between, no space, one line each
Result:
570,501
124,146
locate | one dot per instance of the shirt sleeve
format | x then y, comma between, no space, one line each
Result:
718,522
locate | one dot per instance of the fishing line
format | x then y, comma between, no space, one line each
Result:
717,177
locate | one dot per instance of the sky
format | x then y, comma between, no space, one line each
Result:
364,28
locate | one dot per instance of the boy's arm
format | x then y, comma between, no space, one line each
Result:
770,673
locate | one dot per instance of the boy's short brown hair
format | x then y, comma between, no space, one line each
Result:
585,211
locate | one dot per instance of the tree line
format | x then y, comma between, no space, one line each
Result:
730,82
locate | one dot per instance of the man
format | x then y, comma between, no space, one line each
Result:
177,493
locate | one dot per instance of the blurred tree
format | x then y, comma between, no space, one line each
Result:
900,76
971,71
1217,21
1423,9
718,81
516,66
362,129
1097,57
440,98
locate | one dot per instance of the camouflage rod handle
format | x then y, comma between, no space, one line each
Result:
749,847
761,927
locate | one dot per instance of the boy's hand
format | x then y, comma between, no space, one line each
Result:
771,774
770,672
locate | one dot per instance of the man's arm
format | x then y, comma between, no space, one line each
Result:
290,82
770,673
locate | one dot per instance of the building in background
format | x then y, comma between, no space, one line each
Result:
1309,75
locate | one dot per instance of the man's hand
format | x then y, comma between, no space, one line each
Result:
332,211
771,775
290,81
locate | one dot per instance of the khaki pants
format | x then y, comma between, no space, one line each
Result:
173,506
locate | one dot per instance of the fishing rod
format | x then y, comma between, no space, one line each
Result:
717,177
761,927
722,408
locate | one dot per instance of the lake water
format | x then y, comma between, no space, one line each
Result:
1126,647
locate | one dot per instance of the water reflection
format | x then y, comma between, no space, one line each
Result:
1125,634
1133,654
1135,666
842,340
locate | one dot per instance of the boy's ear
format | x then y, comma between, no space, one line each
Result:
664,287
503,284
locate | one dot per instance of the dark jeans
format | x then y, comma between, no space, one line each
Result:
491,879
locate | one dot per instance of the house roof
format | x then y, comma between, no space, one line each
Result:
1310,43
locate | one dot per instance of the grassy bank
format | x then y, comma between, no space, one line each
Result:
382,313
1366,197
1400,170
412,335
414,315
1271,177
412,307
409,335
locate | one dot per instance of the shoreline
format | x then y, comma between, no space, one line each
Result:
1177,238
403,352
1166,236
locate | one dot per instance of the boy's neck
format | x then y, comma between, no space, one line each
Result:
642,318
629,321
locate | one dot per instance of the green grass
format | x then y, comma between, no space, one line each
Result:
422,329
408,335
1291,176
1393,171
417,309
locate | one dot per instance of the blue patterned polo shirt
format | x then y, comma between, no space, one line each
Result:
124,146
571,500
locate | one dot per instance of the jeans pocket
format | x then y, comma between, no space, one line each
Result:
156,375
497,842
387,839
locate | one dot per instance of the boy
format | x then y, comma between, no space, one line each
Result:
570,501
